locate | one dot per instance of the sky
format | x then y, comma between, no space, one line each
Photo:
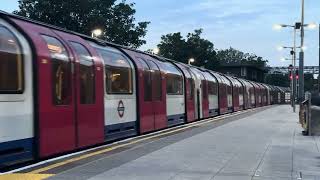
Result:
242,24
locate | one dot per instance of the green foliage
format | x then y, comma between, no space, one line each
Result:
116,20
233,56
282,80
175,46
309,82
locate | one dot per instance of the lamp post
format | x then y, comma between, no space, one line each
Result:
295,27
191,60
96,33
156,51
301,57
293,81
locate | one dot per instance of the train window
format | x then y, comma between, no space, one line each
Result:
118,73
241,90
146,81
87,74
60,69
212,88
191,87
174,84
174,80
204,90
156,80
229,89
11,63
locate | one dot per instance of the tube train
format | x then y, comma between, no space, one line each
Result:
61,91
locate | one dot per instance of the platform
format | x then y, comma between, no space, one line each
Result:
260,144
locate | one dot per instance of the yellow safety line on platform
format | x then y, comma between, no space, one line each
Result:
25,176
133,142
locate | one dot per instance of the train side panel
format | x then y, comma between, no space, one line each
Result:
16,97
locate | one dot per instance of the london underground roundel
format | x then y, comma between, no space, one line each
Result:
121,109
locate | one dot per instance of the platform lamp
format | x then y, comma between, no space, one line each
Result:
96,33
191,60
156,51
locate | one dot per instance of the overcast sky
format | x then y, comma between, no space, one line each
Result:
242,24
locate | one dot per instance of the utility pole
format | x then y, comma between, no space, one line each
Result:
319,64
294,67
301,57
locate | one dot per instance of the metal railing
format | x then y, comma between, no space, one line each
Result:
309,115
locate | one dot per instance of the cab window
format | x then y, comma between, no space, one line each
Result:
11,63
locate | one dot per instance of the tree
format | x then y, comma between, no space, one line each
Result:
234,56
116,20
309,82
282,80
175,46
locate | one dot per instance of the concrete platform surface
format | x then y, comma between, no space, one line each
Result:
267,145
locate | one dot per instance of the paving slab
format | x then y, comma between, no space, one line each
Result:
265,145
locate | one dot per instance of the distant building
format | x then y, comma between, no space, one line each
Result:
245,70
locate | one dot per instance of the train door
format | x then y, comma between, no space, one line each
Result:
205,97
152,104
89,97
213,104
146,106
57,131
158,102
191,100
228,92
189,92
190,97
197,94
89,91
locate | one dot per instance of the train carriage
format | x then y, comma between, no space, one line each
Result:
237,94
229,92
70,86
120,100
175,94
212,94
189,86
263,94
152,92
257,94
225,93
199,91
266,94
16,96
249,96
274,95
282,98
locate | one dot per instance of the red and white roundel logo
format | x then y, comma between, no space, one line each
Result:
121,109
